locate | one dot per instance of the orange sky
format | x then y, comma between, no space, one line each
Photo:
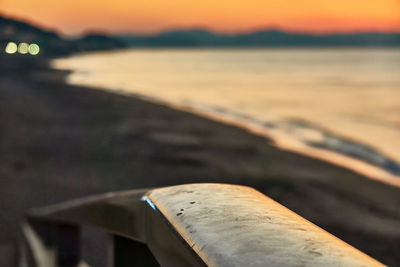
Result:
148,16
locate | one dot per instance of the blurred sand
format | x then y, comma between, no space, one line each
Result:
58,142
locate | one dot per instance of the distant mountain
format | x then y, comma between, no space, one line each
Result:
17,31
97,41
268,38
51,43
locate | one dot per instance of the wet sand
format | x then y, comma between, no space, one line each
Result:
58,142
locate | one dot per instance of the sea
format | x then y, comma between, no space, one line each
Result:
340,105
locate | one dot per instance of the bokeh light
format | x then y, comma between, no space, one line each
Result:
23,48
33,49
11,48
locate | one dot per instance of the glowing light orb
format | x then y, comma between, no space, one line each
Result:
23,48
11,48
33,49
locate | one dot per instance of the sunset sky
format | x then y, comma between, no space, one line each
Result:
149,16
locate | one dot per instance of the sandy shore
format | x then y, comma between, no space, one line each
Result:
59,142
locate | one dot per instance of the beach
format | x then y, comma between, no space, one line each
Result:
335,104
61,141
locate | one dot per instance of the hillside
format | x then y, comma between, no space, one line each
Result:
267,38
50,42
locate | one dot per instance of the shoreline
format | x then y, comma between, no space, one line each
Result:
61,141
358,155
363,168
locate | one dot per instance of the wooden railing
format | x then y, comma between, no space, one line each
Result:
186,225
